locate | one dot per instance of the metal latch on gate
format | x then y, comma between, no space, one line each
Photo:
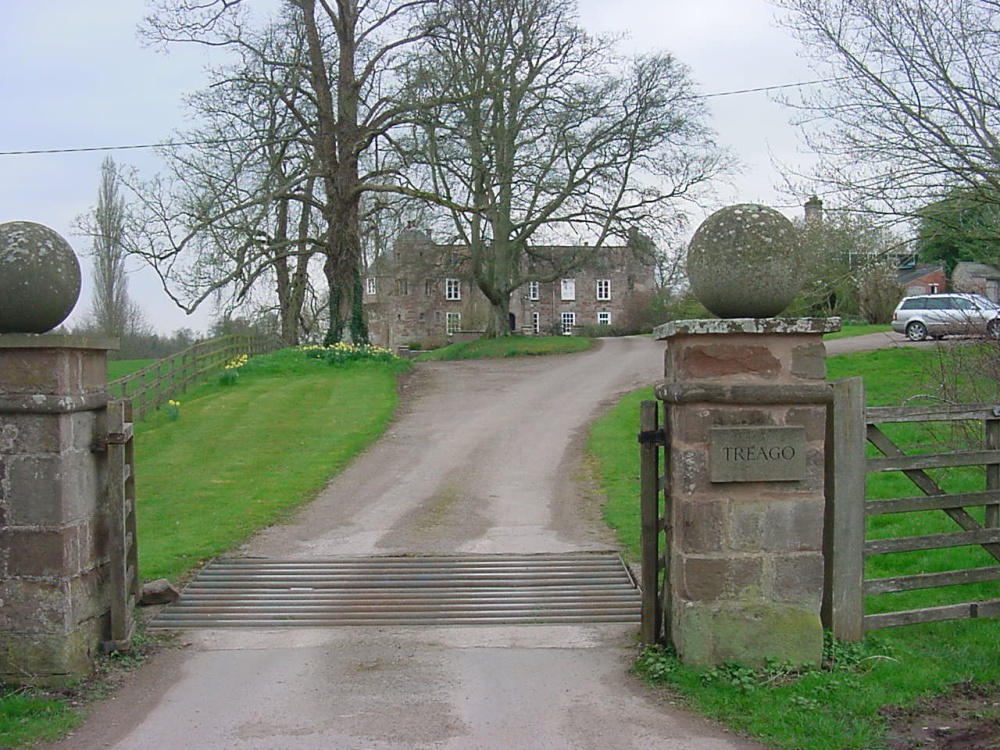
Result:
101,444
653,437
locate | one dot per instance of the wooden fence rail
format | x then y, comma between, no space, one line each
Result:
154,385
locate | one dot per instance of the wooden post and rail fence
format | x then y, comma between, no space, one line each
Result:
851,428
154,385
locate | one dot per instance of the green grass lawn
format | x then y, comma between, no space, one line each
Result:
853,329
509,346
240,457
840,707
121,368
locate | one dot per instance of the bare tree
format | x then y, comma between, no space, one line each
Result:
912,106
237,206
112,311
534,133
351,47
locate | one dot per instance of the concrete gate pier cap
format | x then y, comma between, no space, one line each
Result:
39,278
746,261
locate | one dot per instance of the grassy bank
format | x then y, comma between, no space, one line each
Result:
230,459
510,346
839,707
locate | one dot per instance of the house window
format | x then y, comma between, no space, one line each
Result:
631,283
604,289
536,323
371,285
568,290
452,289
603,318
453,322
568,321
533,294
429,287
933,288
402,287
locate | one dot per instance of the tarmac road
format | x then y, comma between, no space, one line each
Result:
484,457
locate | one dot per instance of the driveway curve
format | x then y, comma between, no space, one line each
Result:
483,457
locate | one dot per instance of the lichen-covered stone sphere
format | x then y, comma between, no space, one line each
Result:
39,278
746,261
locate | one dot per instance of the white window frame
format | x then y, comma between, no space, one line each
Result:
453,289
536,323
568,323
371,286
604,290
603,318
568,289
452,322
534,291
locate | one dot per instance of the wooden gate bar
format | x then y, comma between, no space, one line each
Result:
844,529
649,480
121,510
992,428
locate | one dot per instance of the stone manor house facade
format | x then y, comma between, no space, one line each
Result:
423,293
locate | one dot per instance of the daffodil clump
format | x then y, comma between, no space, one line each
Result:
172,409
341,353
231,371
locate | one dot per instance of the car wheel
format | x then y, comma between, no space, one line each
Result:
993,328
916,331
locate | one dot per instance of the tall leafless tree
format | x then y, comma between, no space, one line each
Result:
351,48
911,106
113,312
536,133
236,208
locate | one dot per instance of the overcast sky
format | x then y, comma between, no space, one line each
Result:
74,75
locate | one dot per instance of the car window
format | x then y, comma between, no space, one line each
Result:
960,303
938,303
913,303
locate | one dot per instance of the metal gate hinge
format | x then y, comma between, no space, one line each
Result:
653,437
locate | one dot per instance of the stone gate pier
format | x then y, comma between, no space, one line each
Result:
745,422
54,519
54,523
745,430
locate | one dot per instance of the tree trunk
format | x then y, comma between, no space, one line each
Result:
498,323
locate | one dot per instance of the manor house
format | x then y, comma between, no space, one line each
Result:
422,292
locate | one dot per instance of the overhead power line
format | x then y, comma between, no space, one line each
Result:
175,144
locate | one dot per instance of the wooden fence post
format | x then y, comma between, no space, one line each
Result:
992,513
649,477
123,545
844,528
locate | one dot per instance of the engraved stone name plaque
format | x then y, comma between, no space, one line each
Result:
757,454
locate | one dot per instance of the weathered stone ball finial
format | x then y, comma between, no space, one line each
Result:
39,278
746,261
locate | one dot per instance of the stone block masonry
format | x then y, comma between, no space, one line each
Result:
746,466
54,523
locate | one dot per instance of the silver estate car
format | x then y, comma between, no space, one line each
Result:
938,315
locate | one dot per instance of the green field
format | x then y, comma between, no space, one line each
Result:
121,368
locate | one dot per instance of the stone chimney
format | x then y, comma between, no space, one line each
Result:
814,211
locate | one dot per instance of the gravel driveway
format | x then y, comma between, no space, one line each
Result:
484,457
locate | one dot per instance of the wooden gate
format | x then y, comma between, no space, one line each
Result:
123,551
983,533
